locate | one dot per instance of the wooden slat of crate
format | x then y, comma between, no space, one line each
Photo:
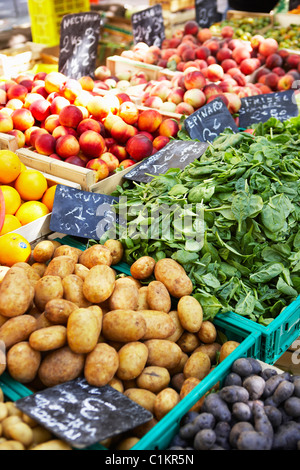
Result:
8,142
236,14
173,5
165,114
118,64
14,61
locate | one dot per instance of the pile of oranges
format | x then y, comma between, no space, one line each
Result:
27,197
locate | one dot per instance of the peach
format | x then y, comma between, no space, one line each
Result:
292,61
33,135
119,151
227,32
28,132
110,120
92,144
168,107
176,95
228,64
222,96
41,90
202,52
127,163
248,66
284,83
3,97
111,161
19,136
188,54
212,89
213,45
139,147
87,83
67,146
194,79
98,107
6,123
53,81
88,125
227,85
17,91
30,98
152,102
268,46
102,72
161,90
234,102
160,142
149,120
274,60
58,103
40,109
271,80
112,102
279,71
85,113
129,112
109,141
121,131
60,131
40,76
27,83
215,72
22,119
123,97
100,168
194,97
14,103
70,116
191,27
185,109
256,41
82,99
45,144
169,127
51,123
75,160
70,89
241,53
223,54
204,34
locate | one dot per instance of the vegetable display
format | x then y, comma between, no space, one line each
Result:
247,186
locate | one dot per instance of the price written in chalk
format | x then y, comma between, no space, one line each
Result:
148,26
79,38
207,13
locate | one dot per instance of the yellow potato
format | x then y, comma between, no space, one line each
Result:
177,381
180,366
57,311
32,275
124,296
117,384
174,277
39,268
210,349
13,410
128,443
116,250
142,397
2,361
173,314
142,299
20,432
84,328
158,297
123,326
17,329
207,333
136,281
188,342
43,251
42,321
16,293
73,291
165,401
40,435
48,288
8,422
198,365
60,366
163,353
3,412
60,266
3,320
101,365
96,255
49,338
190,313
99,284
54,444
154,379
132,360
81,271
66,250
11,445
188,385
23,362
158,324
227,349
142,268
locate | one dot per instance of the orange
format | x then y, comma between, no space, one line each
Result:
48,198
31,185
12,199
14,249
30,211
10,223
10,166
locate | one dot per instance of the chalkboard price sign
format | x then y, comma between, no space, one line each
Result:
209,121
176,154
82,415
207,13
280,105
79,38
148,26
82,214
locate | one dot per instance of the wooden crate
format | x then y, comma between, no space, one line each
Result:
173,5
15,61
8,142
237,15
286,19
118,64
177,20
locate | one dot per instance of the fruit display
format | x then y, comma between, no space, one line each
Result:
243,28
256,409
286,36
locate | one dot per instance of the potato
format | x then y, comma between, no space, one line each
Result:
17,329
198,365
49,338
84,328
42,321
227,349
174,277
123,326
21,432
163,353
40,435
188,342
210,349
8,422
101,365
3,320
142,299
117,384
11,445
136,281
60,366
128,443
116,250
190,313
2,361
66,250
96,255
142,268
60,266
142,397
54,444
73,291
187,386
143,429
99,284
165,401
207,333
158,297
81,271
39,268
16,293
132,360
48,288
1,396
154,379
28,420
173,314
177,381
13,410
158,324
124,296
129,384
3,412
23,362
43,251
180,366
32,275
57,311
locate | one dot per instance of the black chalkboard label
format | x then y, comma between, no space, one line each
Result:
148,26
255,109
209,121
176,154
79,39
81,213
82,415
207,13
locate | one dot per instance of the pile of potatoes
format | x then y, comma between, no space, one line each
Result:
67,313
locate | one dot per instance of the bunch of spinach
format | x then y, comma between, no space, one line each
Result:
249,189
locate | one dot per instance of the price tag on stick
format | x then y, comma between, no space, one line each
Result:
79,39
148,26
